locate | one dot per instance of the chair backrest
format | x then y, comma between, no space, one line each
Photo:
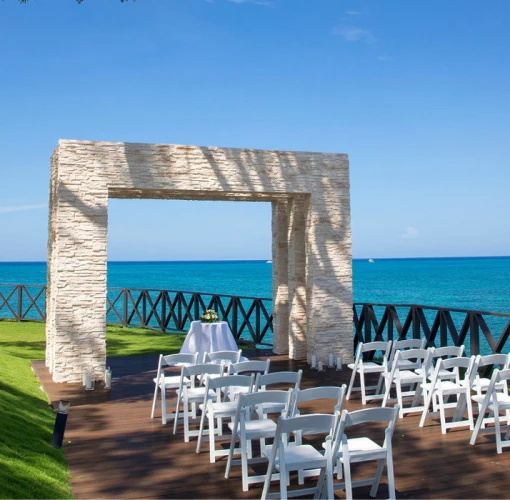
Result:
334,393
365,416
263,380
175,359
250,401
307,424
218,356
503,360
419,355
403,345
372,347
497,377
194,371
453,364
250,366
227,381
451,351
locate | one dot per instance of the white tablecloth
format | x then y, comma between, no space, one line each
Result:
208,337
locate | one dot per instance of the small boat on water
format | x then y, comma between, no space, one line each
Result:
269,262
371,261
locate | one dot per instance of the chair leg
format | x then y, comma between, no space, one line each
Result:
362,384
201,431
442,414
244,463
212,455
231,453
478,426
267,481
177,409
351,383
470,412
391,476
348,480
497,429
163,405
186,421
377,478
399,399
428,397
156,388
387,384
320,484
283,479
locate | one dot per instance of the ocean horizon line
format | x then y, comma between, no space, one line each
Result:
355,259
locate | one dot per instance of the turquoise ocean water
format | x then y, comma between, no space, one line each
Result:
466,283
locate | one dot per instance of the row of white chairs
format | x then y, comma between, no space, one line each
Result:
246,400
430,379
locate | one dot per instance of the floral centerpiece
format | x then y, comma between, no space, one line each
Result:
209,316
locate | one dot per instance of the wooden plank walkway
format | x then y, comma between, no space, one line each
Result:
116,450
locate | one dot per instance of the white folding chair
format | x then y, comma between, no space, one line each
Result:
481,384
362,367
363,449
286,457
245,429
218,410
162,382
399,377
193,394
495,401
277,378
404,345
442,389
440,353
334,394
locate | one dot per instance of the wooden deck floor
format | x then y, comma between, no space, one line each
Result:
115,449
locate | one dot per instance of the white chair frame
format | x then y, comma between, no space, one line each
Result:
348,451
162,382
193,393
245,429
441,389
362,367
495,401
405,345
227,357
438,353
399,377
218,410
264,380
285,457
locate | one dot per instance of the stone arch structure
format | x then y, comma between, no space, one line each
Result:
312,270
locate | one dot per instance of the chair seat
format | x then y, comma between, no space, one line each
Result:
256,429
482,384
406,376
368,367
222,409
305,456
445,386
172,381
503,400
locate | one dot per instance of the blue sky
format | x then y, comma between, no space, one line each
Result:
417,93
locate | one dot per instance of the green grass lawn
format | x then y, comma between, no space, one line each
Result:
29,466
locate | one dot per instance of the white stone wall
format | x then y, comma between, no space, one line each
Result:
312,271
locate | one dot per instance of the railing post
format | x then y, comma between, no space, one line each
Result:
19,312
416,323
196,305
162,318
474,335
144,308
125,293
368,325
234,316
257,320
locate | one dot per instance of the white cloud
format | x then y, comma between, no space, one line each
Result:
353,33
19,208
353,13
410,233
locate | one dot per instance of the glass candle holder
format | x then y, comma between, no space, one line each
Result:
339,363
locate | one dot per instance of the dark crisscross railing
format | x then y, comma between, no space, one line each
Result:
251,319
440,326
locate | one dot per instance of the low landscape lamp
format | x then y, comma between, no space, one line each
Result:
60,423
